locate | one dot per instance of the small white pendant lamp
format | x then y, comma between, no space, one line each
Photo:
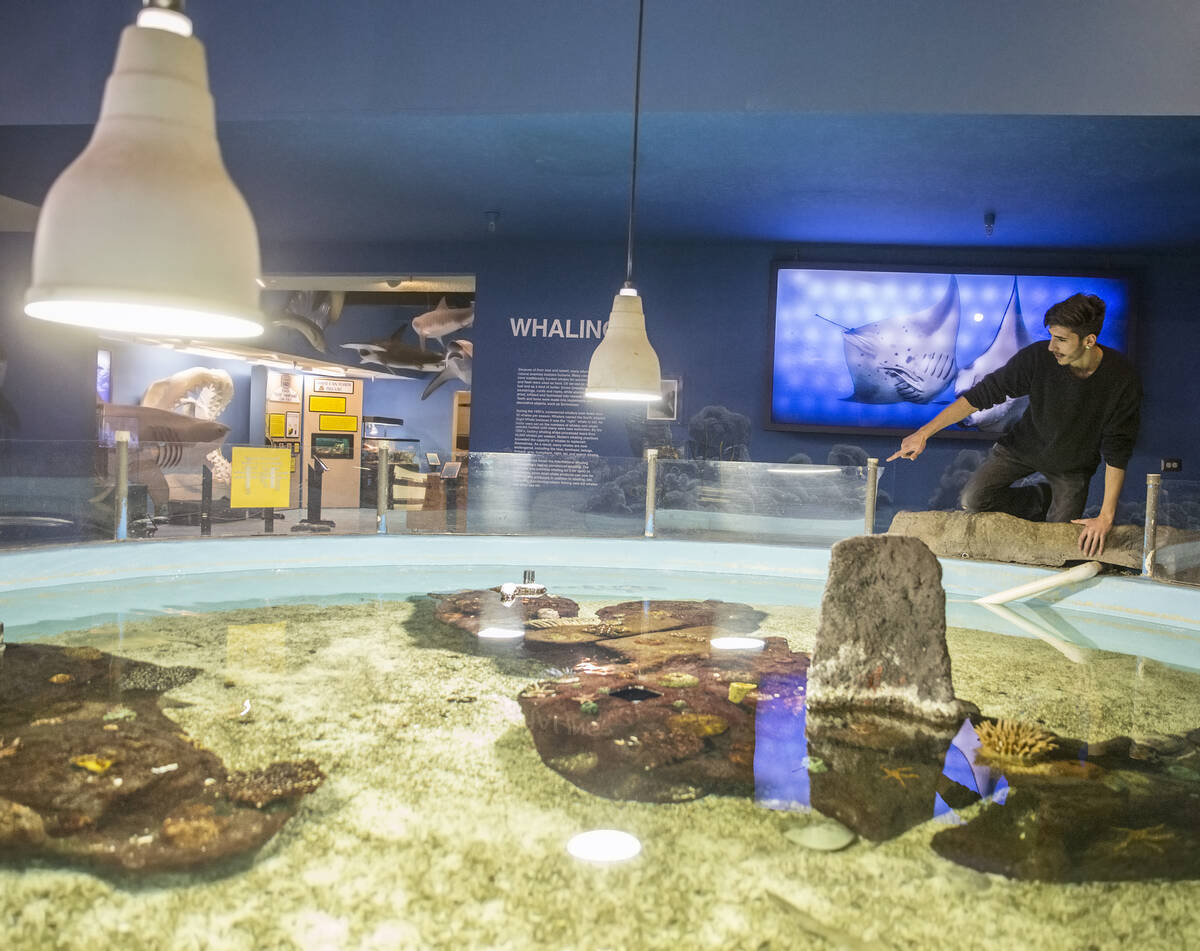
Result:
145,232
624,366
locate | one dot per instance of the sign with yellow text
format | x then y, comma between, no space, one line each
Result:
261,478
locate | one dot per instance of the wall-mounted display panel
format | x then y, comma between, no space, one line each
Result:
855,348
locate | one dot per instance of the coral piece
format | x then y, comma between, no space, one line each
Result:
93,764
1012,739
701,724
279,781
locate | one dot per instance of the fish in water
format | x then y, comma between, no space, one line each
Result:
909,358
311,313
166,441
395,354
458,365
442,321
1010,337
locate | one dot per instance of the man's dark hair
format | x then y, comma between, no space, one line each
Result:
1082,314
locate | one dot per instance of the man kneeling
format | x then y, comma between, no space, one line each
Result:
1084,403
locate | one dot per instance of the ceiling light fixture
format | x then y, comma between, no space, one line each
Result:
624,366
145,232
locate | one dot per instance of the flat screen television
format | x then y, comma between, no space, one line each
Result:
855,348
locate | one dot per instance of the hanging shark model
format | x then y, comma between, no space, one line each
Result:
910,358
1011,336
442,321
311,313
459,355
395,354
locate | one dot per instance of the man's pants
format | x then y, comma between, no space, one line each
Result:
990,489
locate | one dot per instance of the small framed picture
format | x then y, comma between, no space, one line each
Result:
432,460
450,470
667,406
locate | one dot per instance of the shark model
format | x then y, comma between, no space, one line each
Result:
442,321
311,313
909,358
166,442
459,355
395,354
1011,336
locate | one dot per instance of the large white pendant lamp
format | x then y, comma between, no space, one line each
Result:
145,232
624,366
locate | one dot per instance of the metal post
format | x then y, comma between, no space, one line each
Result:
205,501
382,491
651,481
269,521
872,495
121,506
1153,485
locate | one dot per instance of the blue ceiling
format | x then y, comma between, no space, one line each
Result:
1077,121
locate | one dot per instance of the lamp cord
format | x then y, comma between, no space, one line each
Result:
637,108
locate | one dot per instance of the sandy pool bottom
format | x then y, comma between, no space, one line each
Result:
440,827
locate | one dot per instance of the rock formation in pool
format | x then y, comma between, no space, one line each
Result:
881,640
871,734
93,773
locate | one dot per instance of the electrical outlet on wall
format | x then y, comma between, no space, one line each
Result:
1172,465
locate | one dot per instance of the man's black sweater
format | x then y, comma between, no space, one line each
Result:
1070,421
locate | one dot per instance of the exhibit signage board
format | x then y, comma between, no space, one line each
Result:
261,478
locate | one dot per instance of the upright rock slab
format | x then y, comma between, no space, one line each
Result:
881,639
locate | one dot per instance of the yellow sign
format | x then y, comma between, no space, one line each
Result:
275,425
327,404
261,478
337,424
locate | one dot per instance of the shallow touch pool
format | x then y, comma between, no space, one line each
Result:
440,826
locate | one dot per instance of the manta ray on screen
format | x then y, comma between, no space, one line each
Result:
1010,337
907,358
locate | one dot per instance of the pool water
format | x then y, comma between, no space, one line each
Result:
441,824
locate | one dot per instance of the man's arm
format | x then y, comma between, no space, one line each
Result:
1095,530
914,443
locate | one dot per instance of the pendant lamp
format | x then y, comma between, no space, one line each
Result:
145,232
624,366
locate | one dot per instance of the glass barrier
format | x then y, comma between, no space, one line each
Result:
54,491
534,494
50,493
765,502
1176,550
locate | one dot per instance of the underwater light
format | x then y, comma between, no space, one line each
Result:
604,845
502,633
738,643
